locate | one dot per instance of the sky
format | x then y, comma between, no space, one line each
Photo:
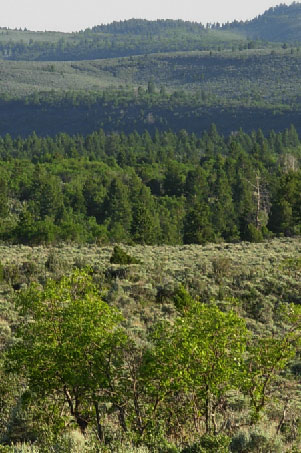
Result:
75,15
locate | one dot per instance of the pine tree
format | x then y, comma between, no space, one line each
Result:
145,227
197,225
118,212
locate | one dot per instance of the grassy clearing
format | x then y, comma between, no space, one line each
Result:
19,79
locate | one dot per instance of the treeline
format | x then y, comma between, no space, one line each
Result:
162,189
144,26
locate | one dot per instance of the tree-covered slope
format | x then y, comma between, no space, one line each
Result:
160,74
140,37
165,189
74,114
281,24
115,40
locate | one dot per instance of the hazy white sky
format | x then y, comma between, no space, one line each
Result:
73,15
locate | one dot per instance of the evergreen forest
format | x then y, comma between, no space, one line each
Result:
138,189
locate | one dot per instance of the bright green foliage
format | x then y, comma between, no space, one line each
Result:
174,179
202,354
46,193
170,188
171,213
182,299
210,444
3,198
145,228
253,234
33,231
65,344
282,217
199,371
267,356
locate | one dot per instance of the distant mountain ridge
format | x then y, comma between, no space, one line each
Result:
281,23
143,37
278,24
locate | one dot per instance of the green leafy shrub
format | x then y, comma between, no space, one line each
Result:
182,299
209,444
119,256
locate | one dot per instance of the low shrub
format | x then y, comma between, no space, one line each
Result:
209,444
119,256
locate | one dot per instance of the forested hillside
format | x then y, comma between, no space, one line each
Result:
134,37
140,37
280,24
166,189
148,75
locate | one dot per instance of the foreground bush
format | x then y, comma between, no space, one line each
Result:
210,444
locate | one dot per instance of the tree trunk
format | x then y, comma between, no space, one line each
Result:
100,434
73,406
82,423
208,410
122,420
